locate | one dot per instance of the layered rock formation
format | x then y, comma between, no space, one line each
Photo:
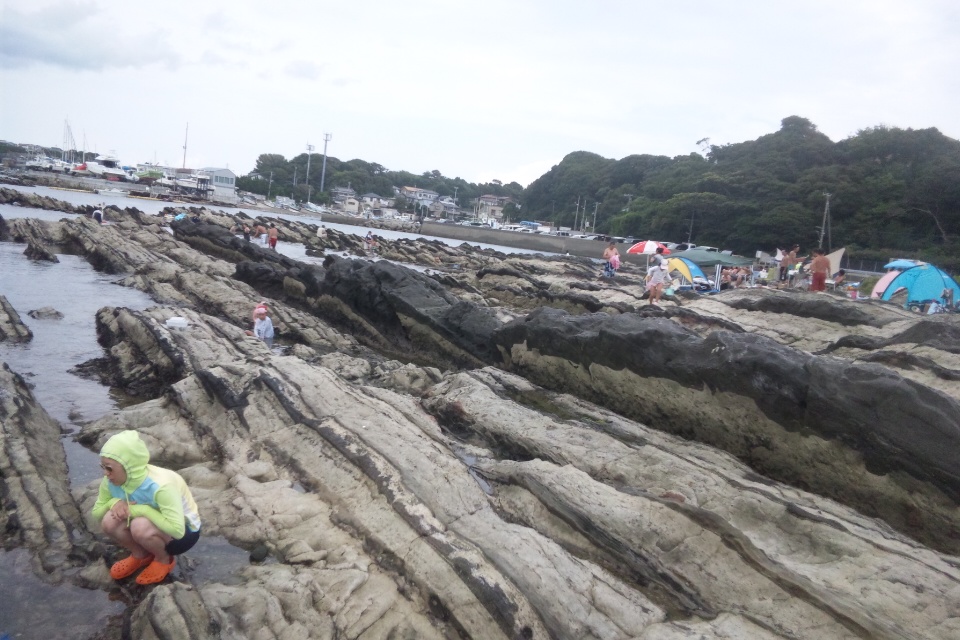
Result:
499,519
11,326
38,513
510,447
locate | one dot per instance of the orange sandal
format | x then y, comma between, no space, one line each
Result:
128,566
156,572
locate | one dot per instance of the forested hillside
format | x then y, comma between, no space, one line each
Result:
894,192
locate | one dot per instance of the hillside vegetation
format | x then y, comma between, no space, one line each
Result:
893,192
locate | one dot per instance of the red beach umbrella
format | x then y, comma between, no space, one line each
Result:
648,247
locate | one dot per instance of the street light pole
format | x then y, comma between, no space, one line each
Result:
826,219
309,153
323,173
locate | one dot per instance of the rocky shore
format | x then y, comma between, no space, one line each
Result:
493,446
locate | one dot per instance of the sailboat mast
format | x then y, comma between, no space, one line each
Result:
187,133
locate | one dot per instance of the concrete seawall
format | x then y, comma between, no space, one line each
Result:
531,241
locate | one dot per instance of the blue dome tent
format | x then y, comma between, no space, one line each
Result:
923,283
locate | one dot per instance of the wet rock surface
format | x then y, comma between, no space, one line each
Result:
36,251
45,313
508,446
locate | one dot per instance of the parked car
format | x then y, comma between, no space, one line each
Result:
684,246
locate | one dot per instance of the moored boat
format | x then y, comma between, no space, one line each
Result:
108,167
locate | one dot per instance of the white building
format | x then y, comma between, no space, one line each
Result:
419,196
224,183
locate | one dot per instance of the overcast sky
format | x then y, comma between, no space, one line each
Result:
500,89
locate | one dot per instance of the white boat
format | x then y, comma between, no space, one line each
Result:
112,192
108,167
40,163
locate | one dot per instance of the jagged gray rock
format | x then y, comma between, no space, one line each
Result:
11,326
857,432
45,313
36,251
38,512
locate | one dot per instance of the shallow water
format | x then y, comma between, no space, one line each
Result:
27,604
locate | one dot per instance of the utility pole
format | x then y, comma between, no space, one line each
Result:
576,213
455,189
185,135
294,182
323,173
269,185
595,206
826,222
690,232
309,153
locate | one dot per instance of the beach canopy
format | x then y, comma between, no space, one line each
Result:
689,270
835,259
648,247
923,282
884,282
703,258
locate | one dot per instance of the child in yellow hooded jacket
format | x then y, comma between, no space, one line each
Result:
145,509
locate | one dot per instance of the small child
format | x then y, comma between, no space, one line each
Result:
263,326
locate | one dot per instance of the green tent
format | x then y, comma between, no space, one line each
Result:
703,258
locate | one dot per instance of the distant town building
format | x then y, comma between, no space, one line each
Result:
339,194
419,196
490,207
224,183
375,201
351,205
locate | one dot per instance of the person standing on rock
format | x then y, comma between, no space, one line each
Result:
147,510
246,232
263,326
788,262
820,268
658,276
97,215
272,236
262,234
